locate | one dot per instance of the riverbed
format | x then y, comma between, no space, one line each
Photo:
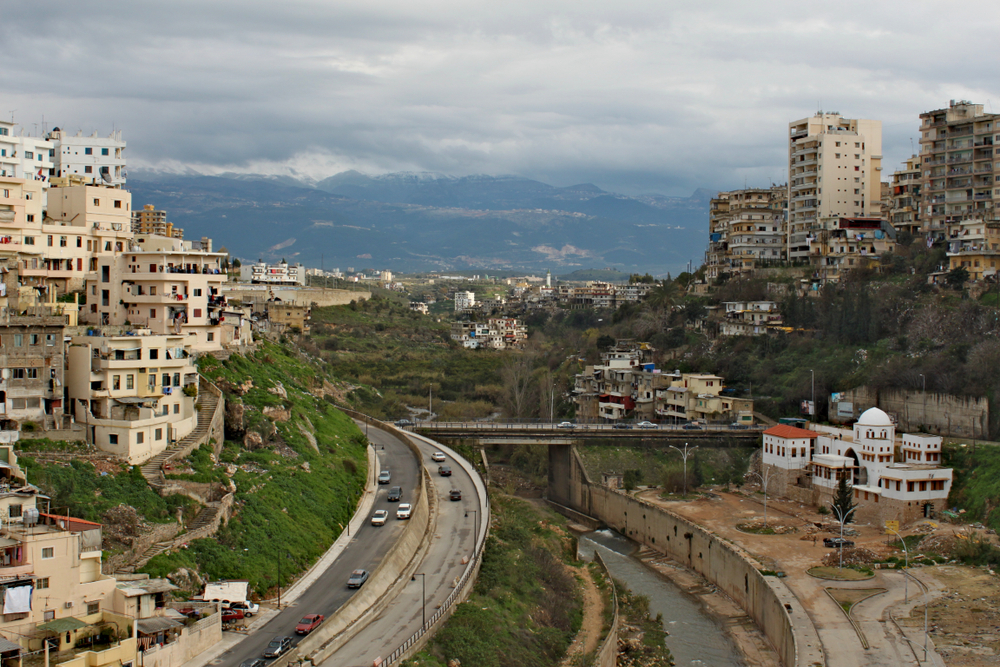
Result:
695,637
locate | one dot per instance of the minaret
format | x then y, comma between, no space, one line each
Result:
548,278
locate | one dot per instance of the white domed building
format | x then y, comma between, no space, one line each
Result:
894,477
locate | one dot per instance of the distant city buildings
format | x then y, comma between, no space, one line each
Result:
282,273
149,220
498,333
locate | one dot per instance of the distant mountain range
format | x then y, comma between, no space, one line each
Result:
423,222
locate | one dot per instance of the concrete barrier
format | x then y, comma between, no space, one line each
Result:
607,654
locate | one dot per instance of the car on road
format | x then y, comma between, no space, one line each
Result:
357,579
395,493
565,425
456,494
438,456
308,623
255,662
646,425
232,615
444,471
277,647
384,477
739,426
693,427
248,608
835,542
378,519
404,422
622,425
403,511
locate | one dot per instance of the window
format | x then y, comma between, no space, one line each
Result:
152,312
166,379
90,170
177,379
177,408
211,336
116,382
197,292
93,608
79,242
166,410
50,240
42,583
130,381
31,217
113,439
50,340
158,435
17,374
28,155
88,151
33,339
152,290
104,151
140,437
18,340
32,373
154,353
48,552
118,203
97,202
14,511
197,312
29,240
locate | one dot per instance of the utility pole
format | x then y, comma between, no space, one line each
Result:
764,479
684,455
430,401
812,409
843,517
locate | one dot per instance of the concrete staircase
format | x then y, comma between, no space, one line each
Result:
205,518
152,469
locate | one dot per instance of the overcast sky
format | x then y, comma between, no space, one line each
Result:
633,96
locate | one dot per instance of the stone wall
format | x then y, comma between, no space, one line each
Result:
193,640
941,414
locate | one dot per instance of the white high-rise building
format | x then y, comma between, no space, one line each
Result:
23,156
834,169
97,159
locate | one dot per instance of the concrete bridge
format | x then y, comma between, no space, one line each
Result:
533,433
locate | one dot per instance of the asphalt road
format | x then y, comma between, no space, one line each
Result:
365,551
452,540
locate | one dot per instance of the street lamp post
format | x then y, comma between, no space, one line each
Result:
764,479
842,517
423,597
684,455
475,537
923,380
906,565
812,407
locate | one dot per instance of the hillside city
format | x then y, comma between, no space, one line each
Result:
793,358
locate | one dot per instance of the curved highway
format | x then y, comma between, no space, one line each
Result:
366,550
453,541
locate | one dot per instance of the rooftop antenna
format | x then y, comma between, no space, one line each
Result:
12,115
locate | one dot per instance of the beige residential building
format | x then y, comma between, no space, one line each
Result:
746,230
133,394
31,368
167,286
975,245
286,315
834,170
840,245
958,161
906,187
149,220
698,397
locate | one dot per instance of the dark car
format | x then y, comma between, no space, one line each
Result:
384,477
739,426
456,494
395,493
404,422
444,471
277,647
256,662
308,623
693,427
357,579
622,425
835,542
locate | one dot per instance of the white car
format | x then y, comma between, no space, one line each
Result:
378,519
438,456
646,425
403,511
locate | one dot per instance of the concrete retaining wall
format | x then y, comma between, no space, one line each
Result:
943,414
607,654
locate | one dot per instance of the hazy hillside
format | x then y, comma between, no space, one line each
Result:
419,222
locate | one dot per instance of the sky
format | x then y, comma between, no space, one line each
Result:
635,97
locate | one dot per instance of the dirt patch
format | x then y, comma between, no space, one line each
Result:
964,620
589,637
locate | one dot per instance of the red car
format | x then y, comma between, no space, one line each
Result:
231,615
308,623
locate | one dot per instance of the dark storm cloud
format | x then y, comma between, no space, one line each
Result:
648,96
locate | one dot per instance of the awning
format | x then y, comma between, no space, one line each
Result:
150,626
63,625
136,400
6,645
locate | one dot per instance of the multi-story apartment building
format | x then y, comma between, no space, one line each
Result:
31,368
282,273
498,333
957,156
834,170
96,159
839,245
746,229
133,394
906,185
285,315
150,220
975,245
748,318
167,286
699,397
23,156
464,301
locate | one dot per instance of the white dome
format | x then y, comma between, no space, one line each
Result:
874,417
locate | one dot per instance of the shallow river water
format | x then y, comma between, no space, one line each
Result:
695,637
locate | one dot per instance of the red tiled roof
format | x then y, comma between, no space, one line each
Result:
82,524
786,431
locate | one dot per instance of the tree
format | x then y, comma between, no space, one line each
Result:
957,277
237,263
631,479
605,341
515,374
843,500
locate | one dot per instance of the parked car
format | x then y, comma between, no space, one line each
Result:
277,647
232,615
737,425
836,542
378,519
565,425
395,493
646,425
248,608
456,494
444,471
357,579
621,425
404,510
384,477
404,422
693,427
438,456
308,623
